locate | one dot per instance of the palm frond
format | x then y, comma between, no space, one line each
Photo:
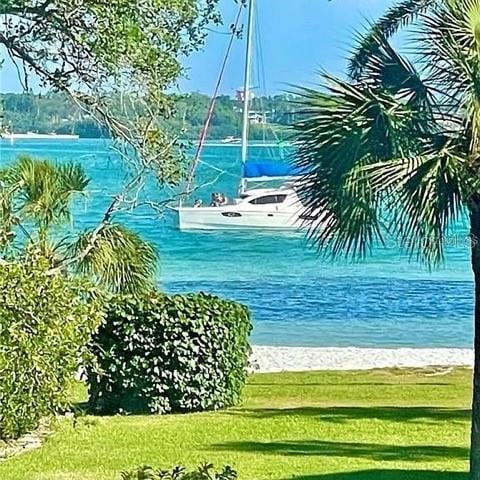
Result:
422,196
354,118
377,164
398,16
387,70
394,151
347,127
45,189
121,260
72,178
448,43
450,39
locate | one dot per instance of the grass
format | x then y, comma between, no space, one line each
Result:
382,425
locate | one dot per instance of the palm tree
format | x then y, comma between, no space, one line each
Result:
394,149
36,197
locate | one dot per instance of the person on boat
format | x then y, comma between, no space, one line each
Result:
215,201
218,200
198,203
222,199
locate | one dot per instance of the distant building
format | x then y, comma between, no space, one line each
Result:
257,118
240,95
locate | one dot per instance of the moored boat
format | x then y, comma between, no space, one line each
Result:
261,208
271,208
38,136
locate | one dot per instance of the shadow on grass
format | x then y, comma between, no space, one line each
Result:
344,414
389,475
370,451
345,384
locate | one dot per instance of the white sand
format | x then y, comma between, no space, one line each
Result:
298,359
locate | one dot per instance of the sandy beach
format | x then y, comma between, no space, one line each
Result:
298,359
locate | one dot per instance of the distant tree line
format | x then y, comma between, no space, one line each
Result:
55,113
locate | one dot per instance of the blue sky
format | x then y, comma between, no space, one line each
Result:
298,38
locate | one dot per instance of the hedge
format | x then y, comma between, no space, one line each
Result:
203,472
163,354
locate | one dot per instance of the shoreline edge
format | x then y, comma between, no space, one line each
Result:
267,359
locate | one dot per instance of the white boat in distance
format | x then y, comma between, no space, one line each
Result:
254,208
38,136
231,140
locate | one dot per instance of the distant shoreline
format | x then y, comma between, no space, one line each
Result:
210,143
267,359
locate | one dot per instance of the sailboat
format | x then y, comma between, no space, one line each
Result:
254,207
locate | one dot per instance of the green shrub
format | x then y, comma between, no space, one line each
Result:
165,353
45,321
203,472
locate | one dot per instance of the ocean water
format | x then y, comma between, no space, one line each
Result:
297,298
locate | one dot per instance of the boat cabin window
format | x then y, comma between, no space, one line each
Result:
268,199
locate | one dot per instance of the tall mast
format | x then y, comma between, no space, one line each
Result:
246,87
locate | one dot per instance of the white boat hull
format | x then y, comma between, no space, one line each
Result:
38,136
228,218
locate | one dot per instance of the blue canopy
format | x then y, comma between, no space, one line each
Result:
270,169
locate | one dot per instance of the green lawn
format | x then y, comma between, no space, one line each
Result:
385,425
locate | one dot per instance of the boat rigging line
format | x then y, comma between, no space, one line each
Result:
213,100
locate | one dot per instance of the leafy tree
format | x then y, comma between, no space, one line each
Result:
97,52
114,61
394,150
36,197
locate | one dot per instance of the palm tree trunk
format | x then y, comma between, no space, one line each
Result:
475,434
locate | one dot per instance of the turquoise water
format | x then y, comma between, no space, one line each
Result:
296,297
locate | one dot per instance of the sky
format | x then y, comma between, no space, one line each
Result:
298,38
